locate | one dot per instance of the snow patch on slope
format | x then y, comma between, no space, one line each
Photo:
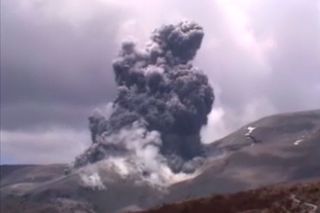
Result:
297,142
250,130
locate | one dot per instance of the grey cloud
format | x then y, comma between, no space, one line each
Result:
295,61
30,116
45,60
54,145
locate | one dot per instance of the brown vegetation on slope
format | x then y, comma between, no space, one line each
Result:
283,199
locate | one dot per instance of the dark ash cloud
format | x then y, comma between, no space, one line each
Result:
162,91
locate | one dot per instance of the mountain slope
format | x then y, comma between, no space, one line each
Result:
276,149
279,198
277,157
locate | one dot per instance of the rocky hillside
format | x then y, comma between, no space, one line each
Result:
277,149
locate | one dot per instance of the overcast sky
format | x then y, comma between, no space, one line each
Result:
262,57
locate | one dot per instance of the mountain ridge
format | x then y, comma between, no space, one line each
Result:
286,151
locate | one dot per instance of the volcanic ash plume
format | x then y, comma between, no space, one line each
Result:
162,103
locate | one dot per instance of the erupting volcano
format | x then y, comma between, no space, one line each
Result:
161,105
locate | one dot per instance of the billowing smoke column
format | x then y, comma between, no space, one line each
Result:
161,92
